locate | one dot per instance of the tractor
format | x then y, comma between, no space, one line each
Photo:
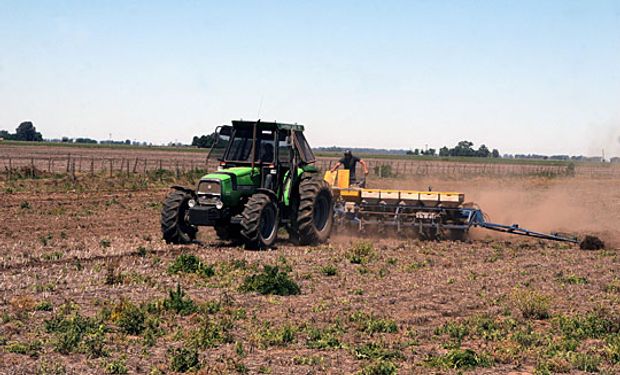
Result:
266,180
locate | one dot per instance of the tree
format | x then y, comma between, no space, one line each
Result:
495,153
6,135
483,151
204,141
463,148
444,151
27,132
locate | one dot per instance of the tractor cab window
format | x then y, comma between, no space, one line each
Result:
305,152
240,146
284,148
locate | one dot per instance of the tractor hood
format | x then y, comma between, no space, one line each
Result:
236,176
234,183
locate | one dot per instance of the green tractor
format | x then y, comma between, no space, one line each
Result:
266,180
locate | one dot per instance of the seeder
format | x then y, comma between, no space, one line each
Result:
430,215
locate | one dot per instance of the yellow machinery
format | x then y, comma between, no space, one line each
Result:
429,214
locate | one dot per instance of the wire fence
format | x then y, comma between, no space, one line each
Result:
35,166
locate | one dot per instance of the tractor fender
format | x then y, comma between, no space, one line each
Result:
270,193
184,189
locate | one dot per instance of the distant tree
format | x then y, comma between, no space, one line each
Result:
483,151
65,140
444,151
204,141
85,140
409,152
495,153
127,141
27,132
6,135
429,152
463,148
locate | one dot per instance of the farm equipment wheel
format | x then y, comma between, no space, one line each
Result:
259,225
174,226
228,232
315,212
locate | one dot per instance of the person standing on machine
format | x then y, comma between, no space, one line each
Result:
349,162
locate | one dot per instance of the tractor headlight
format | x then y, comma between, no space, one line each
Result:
191,203
219,205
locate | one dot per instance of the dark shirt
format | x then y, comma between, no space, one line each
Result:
349,163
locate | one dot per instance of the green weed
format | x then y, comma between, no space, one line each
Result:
270,281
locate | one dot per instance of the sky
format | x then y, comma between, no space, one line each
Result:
521,76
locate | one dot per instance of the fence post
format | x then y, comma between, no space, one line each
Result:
10,168
68,163
92,165
32,167
49,165
111,164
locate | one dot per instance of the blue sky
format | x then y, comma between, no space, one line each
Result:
522,76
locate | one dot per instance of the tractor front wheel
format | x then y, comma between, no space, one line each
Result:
174,226
315,215
259,223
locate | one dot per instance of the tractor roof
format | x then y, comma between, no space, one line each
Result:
268,125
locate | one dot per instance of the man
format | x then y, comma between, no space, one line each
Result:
348,162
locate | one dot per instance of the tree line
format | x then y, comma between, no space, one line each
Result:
462,149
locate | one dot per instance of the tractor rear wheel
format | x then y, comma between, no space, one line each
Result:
259,223
315,213
174,226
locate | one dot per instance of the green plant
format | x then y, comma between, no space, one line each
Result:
105,243
380,367
376,351
177,302
183,359
361,253
531,304
329,270
130,318
29,348
116,366
570,279
270,281
280,336
24,205
94,343
612,349
372,324
456,331
69,329
326,338
44,306
459,359
211,334
188,263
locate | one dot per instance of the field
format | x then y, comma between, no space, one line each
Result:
87,286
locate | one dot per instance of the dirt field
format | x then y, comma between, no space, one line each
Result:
87,286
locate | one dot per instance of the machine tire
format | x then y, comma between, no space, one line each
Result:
259,225
174,228
228,232
315,213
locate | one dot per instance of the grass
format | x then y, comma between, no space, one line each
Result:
372,324
270,281
531,304
188,263
178,302
183,360
462,359
361,253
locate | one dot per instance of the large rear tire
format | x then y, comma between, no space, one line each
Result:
259,223
174,226
315,213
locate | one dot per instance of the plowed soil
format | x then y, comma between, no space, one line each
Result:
423,306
